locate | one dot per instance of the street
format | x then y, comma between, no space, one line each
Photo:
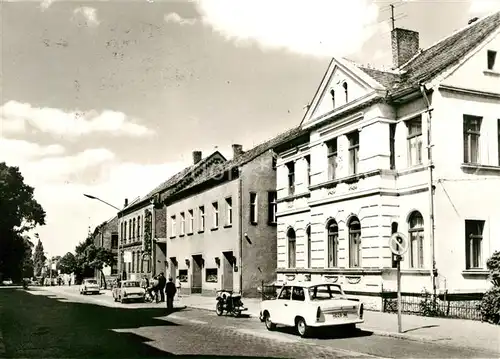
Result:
42,324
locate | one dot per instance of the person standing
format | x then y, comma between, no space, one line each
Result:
170,290
161,286
178,286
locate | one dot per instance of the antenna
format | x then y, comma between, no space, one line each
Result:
392,16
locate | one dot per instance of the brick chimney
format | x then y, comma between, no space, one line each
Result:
196,157
126,202
405,44
237,150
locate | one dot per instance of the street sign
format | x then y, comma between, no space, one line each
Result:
398,243
127,257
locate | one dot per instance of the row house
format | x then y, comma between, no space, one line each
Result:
415,150
142,225
222,226
105,236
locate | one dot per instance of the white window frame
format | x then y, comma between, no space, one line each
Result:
291,177
229,211
254,216
272,207
414,141
474,245
472,139
201,212
190,221
417,239
332,155
183,224
215,214
353,139
173,225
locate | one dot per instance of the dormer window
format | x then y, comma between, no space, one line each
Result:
332,93
344,85
492,55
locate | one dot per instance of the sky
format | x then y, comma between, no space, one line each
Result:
110,98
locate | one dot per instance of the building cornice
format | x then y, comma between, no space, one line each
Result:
465,91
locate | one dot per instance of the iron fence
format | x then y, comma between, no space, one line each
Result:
442,306
268,291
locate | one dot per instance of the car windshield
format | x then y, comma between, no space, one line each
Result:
324,292
131,284
91,281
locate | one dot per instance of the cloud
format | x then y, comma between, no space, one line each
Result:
45,4
483,7
323,27
86,16
177,19
73,124
15,151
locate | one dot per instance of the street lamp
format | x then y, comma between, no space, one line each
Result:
98,199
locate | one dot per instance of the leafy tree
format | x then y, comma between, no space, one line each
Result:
28,267
67,264
19,213
39,259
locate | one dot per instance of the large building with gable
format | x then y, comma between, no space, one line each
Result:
415,150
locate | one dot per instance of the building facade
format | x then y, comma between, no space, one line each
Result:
222,227
414,150
106,236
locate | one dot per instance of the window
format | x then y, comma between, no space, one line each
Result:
130,230
473,244
121,232
344,85
414,140
125,231
211,275
172,226
292,245
324,292
138,262
114,241
291,178
298,294
498,140
285,293
333,238
133,262
191,221
354,243
308,169
353,152
253,207
183,224
201,212
229,211
416,236
139,227
272,206
134,228
392,145
332,158
309,246
332,93
492,55
472,130
215,209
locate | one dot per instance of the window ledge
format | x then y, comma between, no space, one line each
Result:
253,223
214,228
293,196
491,73
181,235
172,237
348,179
190,234
201,231
228,226
479,167
274,224
475,272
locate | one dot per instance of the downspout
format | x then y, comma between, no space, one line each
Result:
240,227
430,167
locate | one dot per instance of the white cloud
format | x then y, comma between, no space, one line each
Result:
483,7
72,124
176,18
321,27
15,151
45,4
86,16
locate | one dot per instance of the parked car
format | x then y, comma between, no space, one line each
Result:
7,281
89,285
308,305
128,290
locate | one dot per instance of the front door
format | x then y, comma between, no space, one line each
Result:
227,271
197,277
173,268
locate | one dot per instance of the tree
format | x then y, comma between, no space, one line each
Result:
490,304
28,267
67,264
19,213
39,258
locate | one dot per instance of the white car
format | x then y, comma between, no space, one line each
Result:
128,290
307,305
89,285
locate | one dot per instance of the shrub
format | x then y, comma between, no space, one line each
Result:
493,265
429,306
490,306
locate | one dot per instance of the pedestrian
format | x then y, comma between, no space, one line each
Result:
178,286
162,281
170,290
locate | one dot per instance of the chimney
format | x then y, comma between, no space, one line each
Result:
237,150
474,19
196,157
126,202
405,44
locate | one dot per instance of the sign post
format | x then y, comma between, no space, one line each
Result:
398,243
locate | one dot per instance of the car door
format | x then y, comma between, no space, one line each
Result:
282,306
297,305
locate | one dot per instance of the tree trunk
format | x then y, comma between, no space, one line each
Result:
103,278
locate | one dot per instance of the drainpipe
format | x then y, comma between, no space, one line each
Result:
240,225
431,187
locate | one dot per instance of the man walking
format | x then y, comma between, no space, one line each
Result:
170,290
161,286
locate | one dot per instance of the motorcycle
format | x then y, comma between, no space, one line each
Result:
228,302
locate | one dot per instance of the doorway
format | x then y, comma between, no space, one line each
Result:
173,267
196,281
227,270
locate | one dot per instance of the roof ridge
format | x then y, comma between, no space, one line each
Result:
420,51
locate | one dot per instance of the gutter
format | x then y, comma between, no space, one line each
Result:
430,186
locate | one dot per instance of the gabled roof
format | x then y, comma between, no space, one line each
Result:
246,156
430,62
175,179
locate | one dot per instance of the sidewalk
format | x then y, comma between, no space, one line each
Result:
456,332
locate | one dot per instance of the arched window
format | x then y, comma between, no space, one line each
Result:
133,262
333,240
292,248
416,236
332,93
354,243
133,228
309,246
344,85
139,227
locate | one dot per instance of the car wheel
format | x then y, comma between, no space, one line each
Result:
269,324
301,326
219,309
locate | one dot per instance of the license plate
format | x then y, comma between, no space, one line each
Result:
340,315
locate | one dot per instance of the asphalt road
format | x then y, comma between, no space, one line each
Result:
40,325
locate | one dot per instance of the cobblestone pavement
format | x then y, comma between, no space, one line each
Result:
193,331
